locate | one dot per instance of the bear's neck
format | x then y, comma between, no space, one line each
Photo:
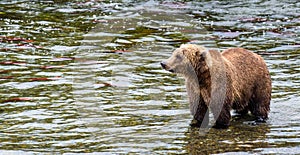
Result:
203,75
200,80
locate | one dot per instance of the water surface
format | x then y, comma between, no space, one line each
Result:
84,76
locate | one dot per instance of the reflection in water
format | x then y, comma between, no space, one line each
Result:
239,137
84,76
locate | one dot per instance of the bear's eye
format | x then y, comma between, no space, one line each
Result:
178,57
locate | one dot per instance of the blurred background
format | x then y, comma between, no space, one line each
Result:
83,76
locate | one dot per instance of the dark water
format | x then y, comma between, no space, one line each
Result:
84,76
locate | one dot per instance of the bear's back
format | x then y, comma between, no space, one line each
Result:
241,56
248,71
245,61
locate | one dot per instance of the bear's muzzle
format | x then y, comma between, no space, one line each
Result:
166,67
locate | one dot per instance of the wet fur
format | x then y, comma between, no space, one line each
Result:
234,79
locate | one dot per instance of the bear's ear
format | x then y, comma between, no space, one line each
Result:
204,54
184,51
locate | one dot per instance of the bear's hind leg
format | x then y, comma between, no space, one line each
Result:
243,112
260,104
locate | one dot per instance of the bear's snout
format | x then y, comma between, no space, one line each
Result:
163,65
166,67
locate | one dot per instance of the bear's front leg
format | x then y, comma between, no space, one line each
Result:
201,118
222,116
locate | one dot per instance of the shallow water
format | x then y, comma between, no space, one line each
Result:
84,76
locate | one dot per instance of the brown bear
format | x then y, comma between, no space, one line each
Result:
234,79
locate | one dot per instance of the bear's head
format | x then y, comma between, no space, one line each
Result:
188,60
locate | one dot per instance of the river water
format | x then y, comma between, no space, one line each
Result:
83,76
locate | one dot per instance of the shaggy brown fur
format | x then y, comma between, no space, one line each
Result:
234,79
